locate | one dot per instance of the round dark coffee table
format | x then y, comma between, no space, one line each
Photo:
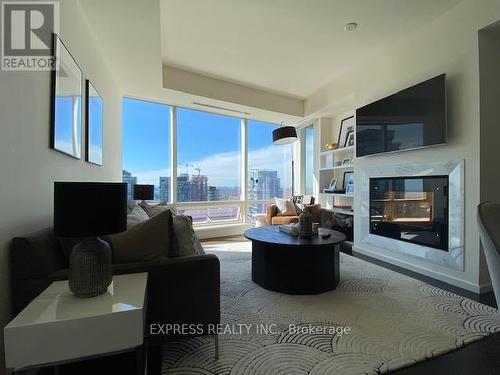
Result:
295,265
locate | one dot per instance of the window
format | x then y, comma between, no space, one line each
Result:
309,160
269,167
207,177
208,156
146,146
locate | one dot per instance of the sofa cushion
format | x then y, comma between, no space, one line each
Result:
184,236
315,211
148,240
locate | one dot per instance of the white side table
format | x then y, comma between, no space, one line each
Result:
57,327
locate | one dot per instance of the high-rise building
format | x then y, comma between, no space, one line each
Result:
164,189
131,181
183,188
264,184
199,188
213,193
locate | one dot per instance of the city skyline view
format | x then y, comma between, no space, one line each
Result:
208,145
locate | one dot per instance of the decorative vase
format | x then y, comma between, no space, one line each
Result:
305,225
90,268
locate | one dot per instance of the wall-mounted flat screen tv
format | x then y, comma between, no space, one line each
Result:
412,118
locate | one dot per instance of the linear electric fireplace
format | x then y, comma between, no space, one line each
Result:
411,209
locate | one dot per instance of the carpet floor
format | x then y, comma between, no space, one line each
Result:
376,321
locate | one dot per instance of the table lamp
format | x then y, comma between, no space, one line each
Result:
87,210
144,192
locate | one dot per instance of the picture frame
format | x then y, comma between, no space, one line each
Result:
346,126
346,161
298,199
350,139
66,102
94,128
348,180
333,184
350,189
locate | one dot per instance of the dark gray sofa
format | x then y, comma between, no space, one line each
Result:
180,290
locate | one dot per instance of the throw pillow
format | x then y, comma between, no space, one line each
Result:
286,207
131,204
148,240
185,237
314,210
156,209
137,215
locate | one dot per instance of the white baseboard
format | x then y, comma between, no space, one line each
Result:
221,231
486,288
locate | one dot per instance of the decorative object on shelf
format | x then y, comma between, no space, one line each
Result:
350,139
331,146
346,126
346,161
75,216
333,184
348,179
93,124
349,189
144,192
66,102
286,135
305,225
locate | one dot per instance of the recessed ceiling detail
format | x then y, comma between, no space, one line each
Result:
289,47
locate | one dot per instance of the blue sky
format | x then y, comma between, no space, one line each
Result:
206,140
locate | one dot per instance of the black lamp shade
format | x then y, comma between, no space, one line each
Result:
89,209
284,135
144,192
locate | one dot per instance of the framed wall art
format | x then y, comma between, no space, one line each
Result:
66,102
93,124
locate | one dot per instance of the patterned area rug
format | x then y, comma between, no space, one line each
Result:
394,321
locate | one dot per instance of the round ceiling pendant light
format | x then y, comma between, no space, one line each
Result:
351,26
284,135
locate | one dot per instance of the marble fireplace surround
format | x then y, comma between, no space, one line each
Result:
454,258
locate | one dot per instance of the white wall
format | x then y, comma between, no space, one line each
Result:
204,86
28,167
449,44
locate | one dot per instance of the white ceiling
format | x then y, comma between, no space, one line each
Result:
290,47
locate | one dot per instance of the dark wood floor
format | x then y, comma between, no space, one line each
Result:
478,358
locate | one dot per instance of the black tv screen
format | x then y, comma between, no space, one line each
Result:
412,118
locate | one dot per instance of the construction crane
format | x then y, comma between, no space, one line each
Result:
198,168
187,168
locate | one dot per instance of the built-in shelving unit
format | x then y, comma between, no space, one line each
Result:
333,164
